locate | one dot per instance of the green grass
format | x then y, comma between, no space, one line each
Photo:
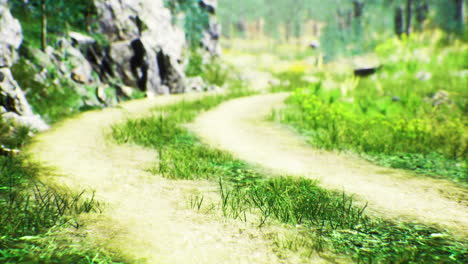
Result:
326,220
212,71
30,210
391,118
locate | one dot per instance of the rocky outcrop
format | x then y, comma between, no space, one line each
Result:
210,40
13,103
145,47
142,49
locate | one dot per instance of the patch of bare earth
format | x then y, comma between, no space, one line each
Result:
146,218
239,126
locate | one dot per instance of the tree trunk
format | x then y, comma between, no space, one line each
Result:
399,23
409,14
421,14
358,9
43,25
459,15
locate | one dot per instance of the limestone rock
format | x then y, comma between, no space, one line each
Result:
210,40
209,6
146,48
441,97
10,36
79,39
12,98
196,84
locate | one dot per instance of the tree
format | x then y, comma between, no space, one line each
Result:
55,15
43,25
459,15
409,16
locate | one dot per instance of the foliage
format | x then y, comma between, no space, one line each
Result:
332,221
195,21
54,98
396,117
213,71
343,31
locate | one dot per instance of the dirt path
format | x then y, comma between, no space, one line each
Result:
239,127
147,217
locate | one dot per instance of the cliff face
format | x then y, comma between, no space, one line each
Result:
143,51
13,103
145,48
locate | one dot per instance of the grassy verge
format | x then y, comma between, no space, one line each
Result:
325,220
30,211
412,114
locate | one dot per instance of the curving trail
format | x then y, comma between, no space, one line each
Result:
239,127
147,218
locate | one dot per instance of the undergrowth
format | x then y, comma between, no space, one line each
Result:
332,221
412,114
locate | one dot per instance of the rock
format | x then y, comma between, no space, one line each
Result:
366,71
4,151
274,82
396,99
32,121
209,5
78,39
101,95
311,79
12,98
124,91
423,76
440,97
314,45
10,36
196,84
146,48
210,40
81,70
78,77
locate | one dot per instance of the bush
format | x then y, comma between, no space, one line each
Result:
394,117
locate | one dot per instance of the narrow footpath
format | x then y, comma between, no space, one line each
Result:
146,218
239,126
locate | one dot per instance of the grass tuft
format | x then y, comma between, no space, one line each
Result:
325,220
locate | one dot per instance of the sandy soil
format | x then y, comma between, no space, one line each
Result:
239,126
147,218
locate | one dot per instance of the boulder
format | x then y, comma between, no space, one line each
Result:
209,6
12,98
210,40
366,71
441,97
10,36
79,39
145,47
196,84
